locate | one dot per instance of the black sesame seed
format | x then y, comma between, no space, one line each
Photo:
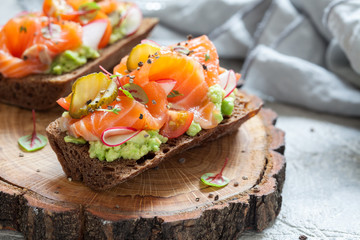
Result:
197,199
88,102
204,67
109,107
141,116
140,64
189,37
25,57
216,197
149,61
153,101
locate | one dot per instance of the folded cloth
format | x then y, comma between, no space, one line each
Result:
296,81
302,52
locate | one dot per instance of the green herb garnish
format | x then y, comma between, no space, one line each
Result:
207,56
88,11
216,180
113,110
127,93
174,93
137,92
33,142
23,29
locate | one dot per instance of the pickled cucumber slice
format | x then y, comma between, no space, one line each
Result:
140,53
90,92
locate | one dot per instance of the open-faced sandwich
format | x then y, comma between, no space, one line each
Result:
159,102
42,53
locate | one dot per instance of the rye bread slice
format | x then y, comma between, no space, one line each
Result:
101,175
40,91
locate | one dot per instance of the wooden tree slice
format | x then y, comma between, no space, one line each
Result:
169,202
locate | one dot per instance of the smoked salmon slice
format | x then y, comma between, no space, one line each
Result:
29,42
194,73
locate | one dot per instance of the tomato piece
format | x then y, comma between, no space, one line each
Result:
178,123
65,102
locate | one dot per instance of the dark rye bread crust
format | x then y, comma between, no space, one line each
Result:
101,175
40,91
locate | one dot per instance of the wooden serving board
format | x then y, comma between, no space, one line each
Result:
169,202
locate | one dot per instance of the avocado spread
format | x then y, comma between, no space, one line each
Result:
117,25
72,59
193,129
224,107
135,148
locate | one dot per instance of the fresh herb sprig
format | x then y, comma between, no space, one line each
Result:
174,93
34,141
113,110
207,56
216,180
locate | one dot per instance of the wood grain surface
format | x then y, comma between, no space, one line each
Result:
167,202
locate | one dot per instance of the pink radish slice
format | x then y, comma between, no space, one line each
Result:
166,84
228,82
132,20
116,136
151,42
93,33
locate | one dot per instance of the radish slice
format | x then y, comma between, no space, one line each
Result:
228,82
132,20
116,136
167,85
151,42
93,33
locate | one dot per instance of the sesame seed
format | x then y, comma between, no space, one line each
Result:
189,37
236,184
197,199
140,64
216,197
21,154
245,178
204,67
109,107
210,195
182,160
69,179
153,101
149,61
141,116
37,170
